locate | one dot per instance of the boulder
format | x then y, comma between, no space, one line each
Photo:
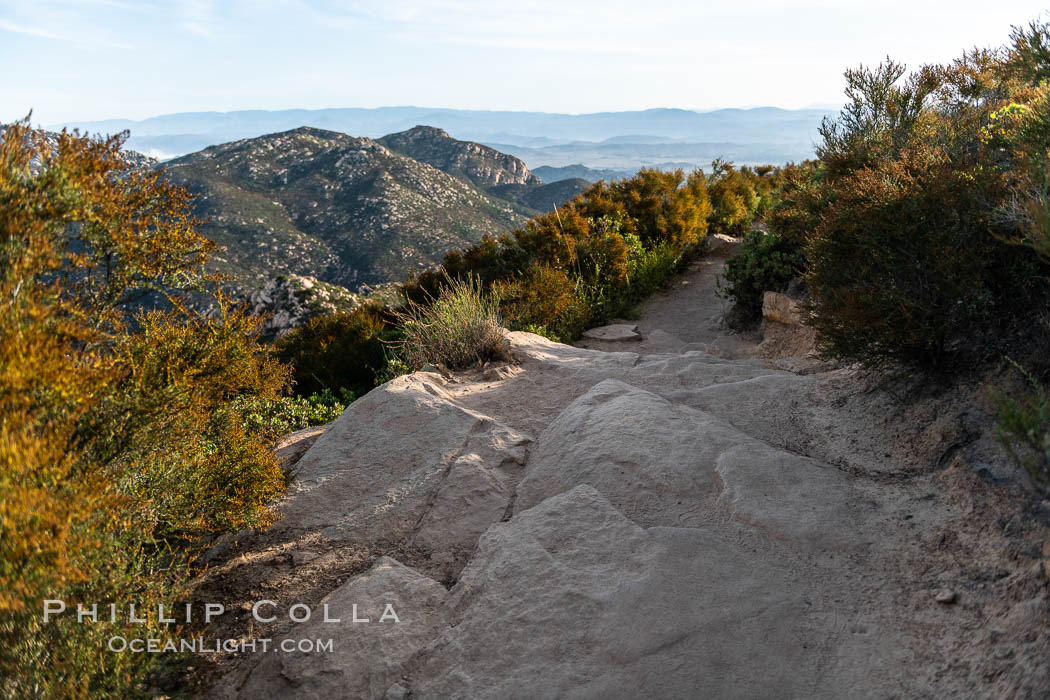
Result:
426,471
781,308
721,245
616,332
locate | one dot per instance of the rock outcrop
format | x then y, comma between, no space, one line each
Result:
593,524
781,308
289,301
471,162
499,174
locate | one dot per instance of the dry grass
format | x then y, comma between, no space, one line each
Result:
461,328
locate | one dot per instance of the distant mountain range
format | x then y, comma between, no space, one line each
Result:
623,141
355,211
548,173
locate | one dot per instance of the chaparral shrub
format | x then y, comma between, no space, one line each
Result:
120,451
336,352
912,257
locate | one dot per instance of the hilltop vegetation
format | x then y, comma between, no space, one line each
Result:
921,230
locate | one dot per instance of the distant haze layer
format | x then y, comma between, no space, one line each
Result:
609,140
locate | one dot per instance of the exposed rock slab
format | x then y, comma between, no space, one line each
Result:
366,657
666,464
616,332
653,460
425,470
572,599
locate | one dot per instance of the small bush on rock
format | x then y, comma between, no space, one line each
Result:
460,328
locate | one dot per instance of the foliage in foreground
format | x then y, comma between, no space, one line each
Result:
929,182
119,448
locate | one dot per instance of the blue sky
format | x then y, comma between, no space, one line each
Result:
94,59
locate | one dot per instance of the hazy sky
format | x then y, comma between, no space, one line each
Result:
92,59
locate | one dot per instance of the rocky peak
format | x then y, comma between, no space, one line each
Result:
471,162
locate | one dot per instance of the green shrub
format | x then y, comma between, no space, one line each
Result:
736,195
799,202
668,207
764,262
910,221
167,434
273,418
336,352
1023,428
460,328
904,269
544,297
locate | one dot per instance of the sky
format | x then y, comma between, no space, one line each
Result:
75,60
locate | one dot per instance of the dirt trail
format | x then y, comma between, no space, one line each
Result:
687,316
675,517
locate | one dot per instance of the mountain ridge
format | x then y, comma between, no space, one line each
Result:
345,209
791,132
